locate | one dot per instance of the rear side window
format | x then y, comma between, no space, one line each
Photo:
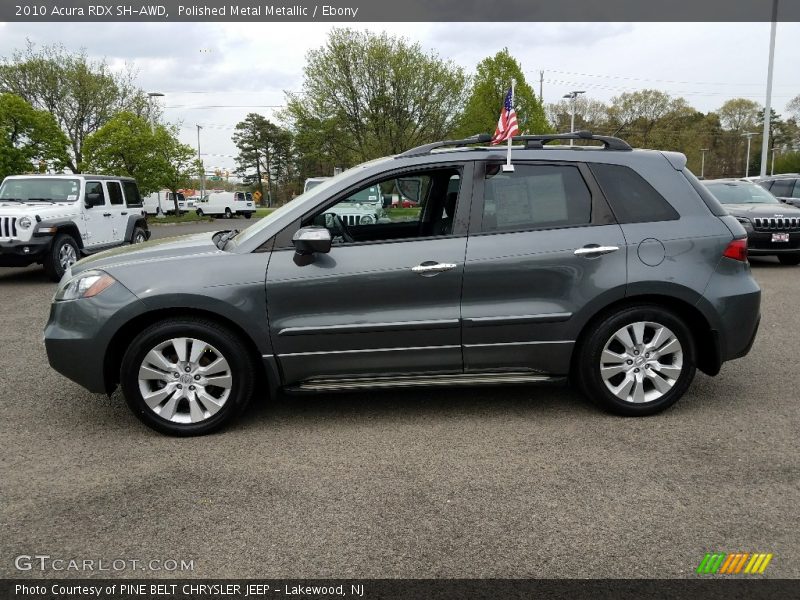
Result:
114,193
632,199
132,197
535,197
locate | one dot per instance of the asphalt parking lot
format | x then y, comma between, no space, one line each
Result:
485,482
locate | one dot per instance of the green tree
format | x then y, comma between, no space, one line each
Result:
129,145
81,94
379,94
30,139
265,147
489,88
591,115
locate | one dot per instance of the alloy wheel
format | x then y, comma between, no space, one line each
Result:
67,256
641,362
185,380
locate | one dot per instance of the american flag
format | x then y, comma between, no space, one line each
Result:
507,123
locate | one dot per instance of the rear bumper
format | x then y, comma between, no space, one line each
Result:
22,254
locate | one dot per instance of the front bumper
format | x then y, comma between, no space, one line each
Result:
16,253
78,334
759,243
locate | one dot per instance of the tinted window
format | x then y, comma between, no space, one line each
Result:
782,188
114,192
132,197
535,197
632,199
95,187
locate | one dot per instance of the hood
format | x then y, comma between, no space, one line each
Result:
157,250
44,210
762,210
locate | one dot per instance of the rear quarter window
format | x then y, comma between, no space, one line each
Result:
632,199
132,197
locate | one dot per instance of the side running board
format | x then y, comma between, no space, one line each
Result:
404,381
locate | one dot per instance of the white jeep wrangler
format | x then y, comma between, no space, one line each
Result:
53,220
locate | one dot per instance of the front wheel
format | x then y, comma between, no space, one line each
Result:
187,376
789,259
62,255
228,213
139,236
637,362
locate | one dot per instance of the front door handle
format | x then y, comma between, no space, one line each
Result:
124,213
431,267
106,214
593,250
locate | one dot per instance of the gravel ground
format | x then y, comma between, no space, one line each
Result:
485,482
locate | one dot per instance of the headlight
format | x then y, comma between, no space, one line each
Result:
85,285
24,222
744,221
367,220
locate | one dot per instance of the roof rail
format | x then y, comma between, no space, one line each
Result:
481,138
532,141
609,143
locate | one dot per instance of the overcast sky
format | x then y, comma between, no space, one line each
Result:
214,74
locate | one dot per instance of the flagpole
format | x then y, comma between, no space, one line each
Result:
508,167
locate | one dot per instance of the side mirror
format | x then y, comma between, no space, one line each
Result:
312,240
94,199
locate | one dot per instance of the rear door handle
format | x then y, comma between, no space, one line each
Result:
124,213
430,267
593,250
106,214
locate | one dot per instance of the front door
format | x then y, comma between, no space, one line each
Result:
385,302
99,223
542,249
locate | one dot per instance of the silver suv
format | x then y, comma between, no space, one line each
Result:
610,266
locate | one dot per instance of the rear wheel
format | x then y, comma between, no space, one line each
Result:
187,376
789,259
139,236
248,215
62,255
637,362
228,213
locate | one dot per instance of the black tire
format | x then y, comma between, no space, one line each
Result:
586,369
241,368
63,244
199,212
139,236
228,213
248,215
789,259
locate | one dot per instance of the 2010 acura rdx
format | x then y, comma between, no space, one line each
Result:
609,265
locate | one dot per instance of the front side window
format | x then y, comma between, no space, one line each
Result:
94,189
417,204
114,193
535,197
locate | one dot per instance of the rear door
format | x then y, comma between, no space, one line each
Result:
543,247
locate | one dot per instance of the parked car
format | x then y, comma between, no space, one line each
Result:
53,220
612,267
163,203
773,228
226,204
365,207
785,188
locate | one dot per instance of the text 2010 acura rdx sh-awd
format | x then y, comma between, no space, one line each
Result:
611,266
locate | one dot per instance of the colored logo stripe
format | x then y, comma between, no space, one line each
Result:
731,564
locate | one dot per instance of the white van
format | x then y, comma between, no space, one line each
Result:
226,204
163,203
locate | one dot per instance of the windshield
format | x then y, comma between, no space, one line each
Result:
741,193
38,189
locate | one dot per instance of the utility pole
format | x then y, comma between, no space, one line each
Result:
541,87
774,150
573,96
749,136
703,163
151,105
202,170
768,105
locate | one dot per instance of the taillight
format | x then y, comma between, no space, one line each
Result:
737,250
